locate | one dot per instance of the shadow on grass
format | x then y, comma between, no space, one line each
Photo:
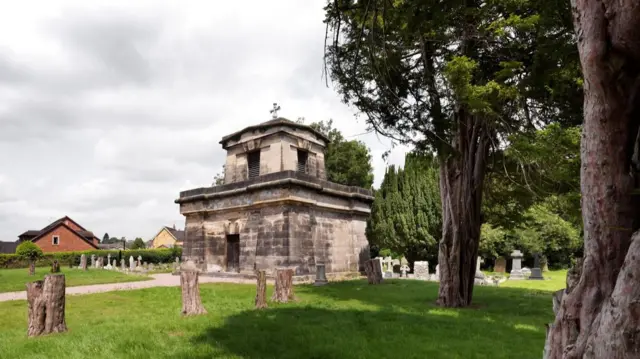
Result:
394,320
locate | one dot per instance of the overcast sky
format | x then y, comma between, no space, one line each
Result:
109,109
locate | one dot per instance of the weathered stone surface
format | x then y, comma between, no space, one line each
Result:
516,270
500,266
421,270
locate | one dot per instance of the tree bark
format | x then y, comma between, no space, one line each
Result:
593,320
46,299
191,301
372,269
261,289
32,267
284,286
461,181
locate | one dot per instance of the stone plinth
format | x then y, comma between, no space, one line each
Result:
516,266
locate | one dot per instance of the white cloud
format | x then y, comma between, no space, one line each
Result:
109,110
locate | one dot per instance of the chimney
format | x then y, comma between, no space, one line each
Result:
174,226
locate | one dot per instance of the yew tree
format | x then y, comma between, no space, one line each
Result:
599,316
453,78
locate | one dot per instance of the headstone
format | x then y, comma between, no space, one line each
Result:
321,278
109,267
479,274
132,263
404,269
388,268
421,270
500,265
83,262
516,263
536,272
115,264
93,261
123,265
373,268
139,261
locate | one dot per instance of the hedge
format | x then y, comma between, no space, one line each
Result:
155,256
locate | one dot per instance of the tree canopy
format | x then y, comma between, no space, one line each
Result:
346,162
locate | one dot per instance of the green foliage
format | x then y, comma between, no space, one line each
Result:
346,162
218,180
105,238
138,243
29,251
405,215
155,256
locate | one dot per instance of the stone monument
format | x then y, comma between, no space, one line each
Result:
132,263
123,265
93,261
421,270
500,266
516,263
479,274
276,207
321,278
108,266
83,262
536,272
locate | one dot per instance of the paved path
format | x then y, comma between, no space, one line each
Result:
159,280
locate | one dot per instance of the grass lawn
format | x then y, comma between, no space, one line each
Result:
13,280
397,319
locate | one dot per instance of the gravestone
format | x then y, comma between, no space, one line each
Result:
115,264
500,266
536,272
109,267
479,274
373,269
93,261
421,270
388,267
123,265
83,262
139,261
321,277
132,263
516,263
404,269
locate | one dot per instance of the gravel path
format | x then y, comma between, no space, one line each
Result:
159,280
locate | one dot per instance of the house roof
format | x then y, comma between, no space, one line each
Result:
85,235
272,123
8,247
178,234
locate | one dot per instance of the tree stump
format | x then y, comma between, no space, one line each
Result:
55,266
191,301
261,290
284,286
32,267
46,299
372,269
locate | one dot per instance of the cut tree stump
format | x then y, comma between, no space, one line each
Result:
373,271
46,299
191,301
55,266
284,286
261,290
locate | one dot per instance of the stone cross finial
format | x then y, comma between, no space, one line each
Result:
274,111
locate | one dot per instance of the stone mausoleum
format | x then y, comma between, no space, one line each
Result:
276,209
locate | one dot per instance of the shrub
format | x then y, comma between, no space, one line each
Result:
29,251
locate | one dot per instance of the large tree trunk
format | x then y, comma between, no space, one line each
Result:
461,180
191,301
261,289
46,299
284,286
599,317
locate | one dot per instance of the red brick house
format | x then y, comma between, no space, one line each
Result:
63,235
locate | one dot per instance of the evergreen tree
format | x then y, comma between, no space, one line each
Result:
105,238
405,215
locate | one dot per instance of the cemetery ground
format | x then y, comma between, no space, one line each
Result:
13,280
352,319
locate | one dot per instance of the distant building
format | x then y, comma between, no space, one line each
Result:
8,247
62,235
167,237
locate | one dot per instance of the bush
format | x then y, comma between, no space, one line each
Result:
29,251
154,256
